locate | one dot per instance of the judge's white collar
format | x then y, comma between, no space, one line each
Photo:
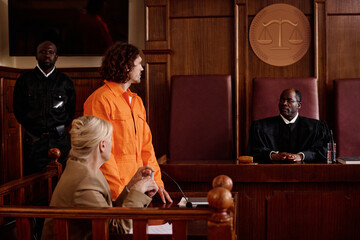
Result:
292,120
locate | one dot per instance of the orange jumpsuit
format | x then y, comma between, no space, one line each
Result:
132,141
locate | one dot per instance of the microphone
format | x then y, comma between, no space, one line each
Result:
188,203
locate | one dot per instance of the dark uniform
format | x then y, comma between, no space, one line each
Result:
44,106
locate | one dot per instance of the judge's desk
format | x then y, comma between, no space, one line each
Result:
281,201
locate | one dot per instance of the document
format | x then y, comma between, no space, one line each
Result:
163,229
194,200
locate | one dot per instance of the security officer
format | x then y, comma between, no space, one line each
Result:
44,104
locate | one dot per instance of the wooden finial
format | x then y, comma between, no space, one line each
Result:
54,154
223,181
220,199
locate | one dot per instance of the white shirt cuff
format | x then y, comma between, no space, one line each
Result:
272,153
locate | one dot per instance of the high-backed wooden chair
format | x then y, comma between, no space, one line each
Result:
266,94
347,114
201,125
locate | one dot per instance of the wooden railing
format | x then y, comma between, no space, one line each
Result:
32,189
19,193
99,217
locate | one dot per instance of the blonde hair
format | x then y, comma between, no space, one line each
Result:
86,133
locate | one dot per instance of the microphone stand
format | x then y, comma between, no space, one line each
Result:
188,203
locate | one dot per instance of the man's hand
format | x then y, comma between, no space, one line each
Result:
294,157
279,156
286,156
164,194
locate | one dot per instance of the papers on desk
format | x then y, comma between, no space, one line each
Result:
163,229
195,201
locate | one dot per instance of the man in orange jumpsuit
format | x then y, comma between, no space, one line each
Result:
114,102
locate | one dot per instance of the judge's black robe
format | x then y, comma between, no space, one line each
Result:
306,135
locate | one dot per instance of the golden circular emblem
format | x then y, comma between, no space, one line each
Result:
280,34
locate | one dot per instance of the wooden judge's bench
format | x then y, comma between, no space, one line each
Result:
282,201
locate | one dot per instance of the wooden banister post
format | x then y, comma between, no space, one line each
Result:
61,229
54,155
139,230
24,229
220,224
179,230
100,229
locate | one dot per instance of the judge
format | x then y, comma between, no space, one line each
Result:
288,137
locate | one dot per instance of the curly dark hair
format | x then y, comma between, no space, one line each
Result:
118,61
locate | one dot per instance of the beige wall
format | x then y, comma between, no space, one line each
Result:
136,37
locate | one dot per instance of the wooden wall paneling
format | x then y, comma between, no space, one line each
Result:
157,98
343,7
11,132
320,53
86,81
3,163
343,52
2,150
157,75
157,27
343,46
11,135
200,8
241,76
202,45
255,6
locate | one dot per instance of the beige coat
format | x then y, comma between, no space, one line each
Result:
81,187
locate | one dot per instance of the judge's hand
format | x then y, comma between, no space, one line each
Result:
294,157
142,172
286,156
279,156
164,194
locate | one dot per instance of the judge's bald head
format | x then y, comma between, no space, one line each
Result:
290,103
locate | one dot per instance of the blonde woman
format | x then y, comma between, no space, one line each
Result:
83,185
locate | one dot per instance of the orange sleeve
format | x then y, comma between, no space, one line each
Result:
148,154
110,168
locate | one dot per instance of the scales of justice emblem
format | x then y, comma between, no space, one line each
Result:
280,34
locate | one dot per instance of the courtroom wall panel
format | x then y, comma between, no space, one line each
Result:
158,107
86,80
343,52
11,134
200,8
202,46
